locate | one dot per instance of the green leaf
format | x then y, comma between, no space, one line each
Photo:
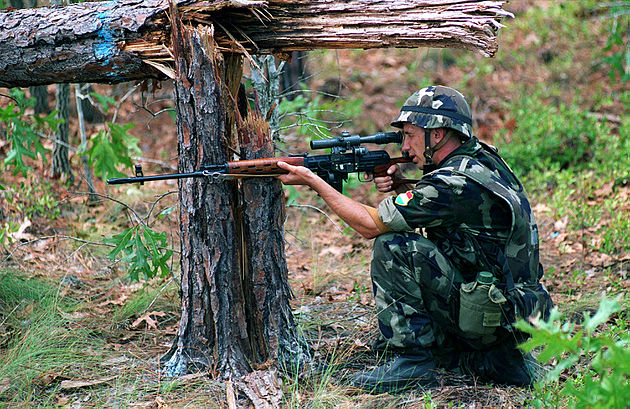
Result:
294,195
607,307
141,258
103,100
112,148
21,131
121,241
158,258
141,248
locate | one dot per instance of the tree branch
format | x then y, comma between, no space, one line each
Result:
130,39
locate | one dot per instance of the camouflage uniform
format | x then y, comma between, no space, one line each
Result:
476,217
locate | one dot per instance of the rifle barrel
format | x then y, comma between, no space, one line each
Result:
152,178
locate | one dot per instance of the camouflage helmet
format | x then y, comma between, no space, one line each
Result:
436,107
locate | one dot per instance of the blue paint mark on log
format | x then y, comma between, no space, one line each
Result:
104,48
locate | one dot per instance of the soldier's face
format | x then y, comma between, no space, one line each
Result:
413,143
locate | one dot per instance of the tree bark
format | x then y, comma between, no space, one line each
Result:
211,314
40,94
125,40
235,305
79,96
90,113
269,313
294,73
60,161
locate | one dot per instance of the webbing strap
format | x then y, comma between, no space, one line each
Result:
464,164
429,166
507,271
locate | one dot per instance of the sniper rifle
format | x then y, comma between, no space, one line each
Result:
346,156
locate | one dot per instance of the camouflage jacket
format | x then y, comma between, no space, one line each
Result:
476,211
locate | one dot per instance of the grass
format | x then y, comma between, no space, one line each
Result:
565,155
47,337
43,343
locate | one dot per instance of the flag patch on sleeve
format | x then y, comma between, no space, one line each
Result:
404,198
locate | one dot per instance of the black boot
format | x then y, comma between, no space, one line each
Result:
402,372
503,365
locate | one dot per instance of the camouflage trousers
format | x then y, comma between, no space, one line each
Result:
416,292
414,285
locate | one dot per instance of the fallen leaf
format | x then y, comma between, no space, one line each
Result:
74,316
335,251
171,329
230,395
603,260
161,404
62,400
366,299
605,189
561,224
83,384
542,208
143,405
147,318
119,301
20,234
115,360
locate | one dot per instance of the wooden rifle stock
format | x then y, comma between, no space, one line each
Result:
263,166
381,171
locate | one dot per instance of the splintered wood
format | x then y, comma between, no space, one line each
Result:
101,42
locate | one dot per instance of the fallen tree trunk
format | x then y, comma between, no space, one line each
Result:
123,40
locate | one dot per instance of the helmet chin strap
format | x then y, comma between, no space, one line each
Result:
429,165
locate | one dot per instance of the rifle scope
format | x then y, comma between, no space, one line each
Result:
347,141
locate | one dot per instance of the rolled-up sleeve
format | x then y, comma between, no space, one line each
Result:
430,204
390,215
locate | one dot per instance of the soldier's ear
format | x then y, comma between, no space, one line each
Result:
439,134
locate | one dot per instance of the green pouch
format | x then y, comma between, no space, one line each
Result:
480,308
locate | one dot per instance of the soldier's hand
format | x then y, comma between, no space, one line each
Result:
384,183
298,175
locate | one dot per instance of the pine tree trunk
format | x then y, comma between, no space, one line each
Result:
40,93
213,330
79,92
294,73
235,296
269,312
90,113
60,161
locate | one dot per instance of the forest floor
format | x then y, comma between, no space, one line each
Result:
127,326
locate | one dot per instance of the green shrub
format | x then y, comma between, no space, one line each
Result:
548,136
318,116
598,363
22,131
619,59
111,148
143,249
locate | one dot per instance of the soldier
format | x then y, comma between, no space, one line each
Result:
455,259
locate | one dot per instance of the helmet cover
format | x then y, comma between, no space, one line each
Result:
436,107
